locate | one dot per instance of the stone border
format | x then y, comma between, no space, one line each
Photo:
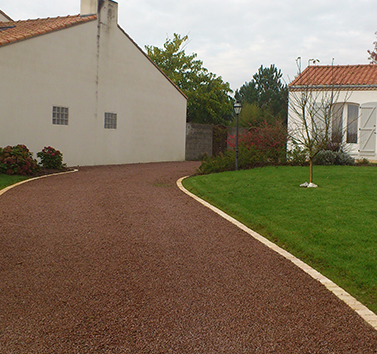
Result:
367,315
2,191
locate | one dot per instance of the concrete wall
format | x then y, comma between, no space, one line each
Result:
73,68
198,140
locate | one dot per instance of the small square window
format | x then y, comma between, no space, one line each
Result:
110,120
60,115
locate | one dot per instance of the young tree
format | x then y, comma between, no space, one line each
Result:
373,53
267,92
208,95
315,112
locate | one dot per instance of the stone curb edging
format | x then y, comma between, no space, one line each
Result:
2,191
366,314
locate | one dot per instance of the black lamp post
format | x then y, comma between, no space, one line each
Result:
237,110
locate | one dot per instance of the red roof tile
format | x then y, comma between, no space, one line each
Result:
337,75
14,31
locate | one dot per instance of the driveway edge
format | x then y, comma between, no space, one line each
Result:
366,314
2,191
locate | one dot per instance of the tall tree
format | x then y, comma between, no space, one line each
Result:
267,91
208,95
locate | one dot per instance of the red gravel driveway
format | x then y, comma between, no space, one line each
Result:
117,259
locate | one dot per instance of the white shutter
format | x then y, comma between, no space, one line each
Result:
367,130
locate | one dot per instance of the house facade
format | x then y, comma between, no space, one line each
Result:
352,92
82,85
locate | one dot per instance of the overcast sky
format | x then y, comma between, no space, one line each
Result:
234,38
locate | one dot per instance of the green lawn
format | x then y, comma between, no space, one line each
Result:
6,180
333,228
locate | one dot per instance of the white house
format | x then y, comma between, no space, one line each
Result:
80,84
354,90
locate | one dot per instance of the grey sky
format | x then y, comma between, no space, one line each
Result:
234,37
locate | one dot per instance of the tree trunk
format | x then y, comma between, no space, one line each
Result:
311,170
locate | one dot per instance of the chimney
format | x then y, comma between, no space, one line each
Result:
106,9
88,7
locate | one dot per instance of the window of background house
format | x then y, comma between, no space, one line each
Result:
60,115
110,120
352,117
337,124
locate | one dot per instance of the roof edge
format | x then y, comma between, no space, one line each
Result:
6,16
159,69
81,21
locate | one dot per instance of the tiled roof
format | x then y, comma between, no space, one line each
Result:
361,76
14,31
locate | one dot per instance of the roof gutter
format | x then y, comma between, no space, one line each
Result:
332,87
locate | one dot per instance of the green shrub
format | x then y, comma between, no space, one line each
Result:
248,157
17,160
51,158
328,157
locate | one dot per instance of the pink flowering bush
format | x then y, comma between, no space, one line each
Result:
269,139
51,158
259,146
17,160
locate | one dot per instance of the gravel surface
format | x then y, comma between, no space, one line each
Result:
117,259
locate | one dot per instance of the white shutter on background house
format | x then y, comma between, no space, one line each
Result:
367,129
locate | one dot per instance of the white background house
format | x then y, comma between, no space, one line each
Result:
81,85
355,89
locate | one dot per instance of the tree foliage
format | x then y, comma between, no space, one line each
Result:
208,95
373,53
264,98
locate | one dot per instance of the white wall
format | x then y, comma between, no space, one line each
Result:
60,68
53,69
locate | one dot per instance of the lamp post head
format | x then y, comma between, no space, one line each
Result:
237,107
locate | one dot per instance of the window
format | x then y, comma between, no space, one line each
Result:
60,115
110,120
352,117
337,124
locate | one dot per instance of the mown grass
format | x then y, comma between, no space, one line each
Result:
6,180
333,228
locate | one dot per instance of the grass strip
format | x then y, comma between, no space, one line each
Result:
7,180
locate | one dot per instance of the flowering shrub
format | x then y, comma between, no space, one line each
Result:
269,139
51,158
17,160
258,147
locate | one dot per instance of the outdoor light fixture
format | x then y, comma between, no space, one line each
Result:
237,109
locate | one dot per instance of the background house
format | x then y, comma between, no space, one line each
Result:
354,88
80,84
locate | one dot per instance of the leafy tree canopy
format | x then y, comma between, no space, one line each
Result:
265,97
208,95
